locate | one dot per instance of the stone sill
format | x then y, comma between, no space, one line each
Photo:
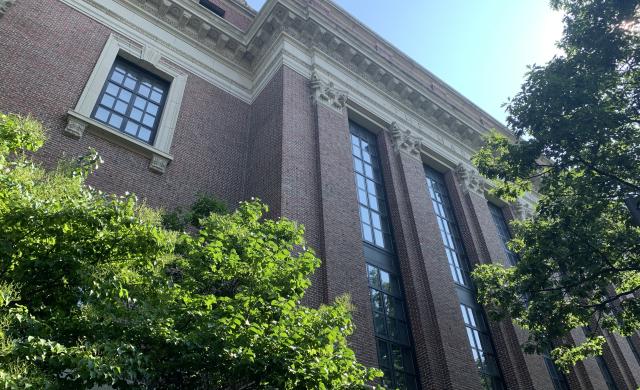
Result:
78,123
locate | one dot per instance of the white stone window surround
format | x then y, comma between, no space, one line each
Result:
151,59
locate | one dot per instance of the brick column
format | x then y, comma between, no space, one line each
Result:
442,351
485,247
622,364
300,170
343,262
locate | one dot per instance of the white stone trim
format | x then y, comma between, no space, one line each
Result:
326,93
150,56
78,124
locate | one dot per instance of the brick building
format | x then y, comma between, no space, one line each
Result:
301,105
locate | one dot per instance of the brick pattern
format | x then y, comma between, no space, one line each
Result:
344,264
233,15
294,155
45,68
301,196
264,155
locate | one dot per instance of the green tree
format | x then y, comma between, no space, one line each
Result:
94,291
577,120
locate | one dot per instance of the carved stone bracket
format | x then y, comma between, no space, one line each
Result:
158,164
328,94
405,141
4,6
471,180
522,209
75,127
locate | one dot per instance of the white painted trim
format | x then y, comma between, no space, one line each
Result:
104,131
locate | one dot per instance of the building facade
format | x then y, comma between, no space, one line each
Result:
301,105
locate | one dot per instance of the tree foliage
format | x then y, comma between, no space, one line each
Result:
577,120
94,291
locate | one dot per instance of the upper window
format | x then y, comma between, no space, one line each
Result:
132,100
375,226
212,7
449,230
503,232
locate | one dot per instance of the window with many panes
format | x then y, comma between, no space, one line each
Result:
448,226
132,100
393,339
475,321
557,377
395,354
375,227
503,231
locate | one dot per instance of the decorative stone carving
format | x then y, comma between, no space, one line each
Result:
405,141
75,127
522,209
158,164
327,94
151,55
4,6
471,180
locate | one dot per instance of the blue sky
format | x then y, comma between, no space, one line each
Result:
479,47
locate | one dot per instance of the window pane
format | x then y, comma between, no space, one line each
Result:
107,101
136,114
117,76
125,95
131,128
145,134
115,120
367,234
121,107
112,89
102,114
156,96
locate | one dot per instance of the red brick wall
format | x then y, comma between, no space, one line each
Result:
301,175
44,69
296,156
344,264
264,162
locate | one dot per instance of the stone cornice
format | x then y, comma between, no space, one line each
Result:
318,26
322,25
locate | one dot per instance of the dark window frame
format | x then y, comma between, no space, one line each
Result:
212,7
142,75
502,227
558,378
